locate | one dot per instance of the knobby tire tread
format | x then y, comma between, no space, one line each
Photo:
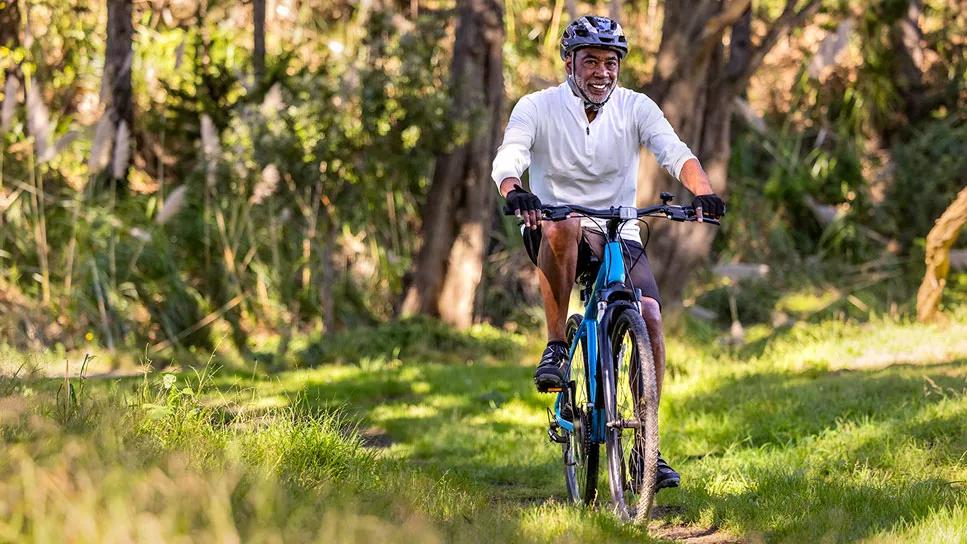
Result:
628,321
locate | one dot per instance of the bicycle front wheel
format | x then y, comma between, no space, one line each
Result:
581,454
631,408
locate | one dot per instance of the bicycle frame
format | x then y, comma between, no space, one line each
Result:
612,271
606,300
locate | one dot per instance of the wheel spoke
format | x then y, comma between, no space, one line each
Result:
630,392
580,454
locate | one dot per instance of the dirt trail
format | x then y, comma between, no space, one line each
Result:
660,527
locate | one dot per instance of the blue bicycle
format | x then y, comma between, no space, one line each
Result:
611,395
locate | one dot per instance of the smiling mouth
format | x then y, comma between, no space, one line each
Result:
598,87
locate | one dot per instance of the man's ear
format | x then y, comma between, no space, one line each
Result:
567,64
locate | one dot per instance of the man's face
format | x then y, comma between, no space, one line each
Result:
595,71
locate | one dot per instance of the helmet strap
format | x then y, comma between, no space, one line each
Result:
588,105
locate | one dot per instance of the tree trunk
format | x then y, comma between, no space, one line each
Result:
116,83
695,84
258,51
9,39
10,24
614,10
459,209
911,66
939,240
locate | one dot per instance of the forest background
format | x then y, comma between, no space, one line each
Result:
175,168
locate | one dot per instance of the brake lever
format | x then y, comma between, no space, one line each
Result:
677,213
690,214
556,213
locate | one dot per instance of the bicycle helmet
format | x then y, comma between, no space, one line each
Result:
594,31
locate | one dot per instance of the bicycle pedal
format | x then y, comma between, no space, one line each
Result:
545,387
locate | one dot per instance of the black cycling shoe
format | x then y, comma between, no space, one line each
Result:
666,475
549,378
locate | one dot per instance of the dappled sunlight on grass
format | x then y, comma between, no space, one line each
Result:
416,339
765,434
875,447
806,302
520,413
383,414
945,525
836,345
781,440
559,522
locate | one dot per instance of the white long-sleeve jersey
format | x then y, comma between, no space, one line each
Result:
594,164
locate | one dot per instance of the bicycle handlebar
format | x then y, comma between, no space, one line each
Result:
626,213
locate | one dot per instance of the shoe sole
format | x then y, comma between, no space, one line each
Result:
549,384
667,483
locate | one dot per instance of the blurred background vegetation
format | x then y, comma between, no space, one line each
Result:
178,171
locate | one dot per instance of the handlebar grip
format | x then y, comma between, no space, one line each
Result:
547,213
705,219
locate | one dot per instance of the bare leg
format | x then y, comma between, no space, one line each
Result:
651,311
557,260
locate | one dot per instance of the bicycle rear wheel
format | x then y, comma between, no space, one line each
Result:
631,408
581,455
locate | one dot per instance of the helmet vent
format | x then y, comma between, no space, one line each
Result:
593,31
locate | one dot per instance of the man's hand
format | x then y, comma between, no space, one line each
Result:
525,205
709,205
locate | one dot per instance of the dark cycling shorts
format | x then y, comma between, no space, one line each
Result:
590,252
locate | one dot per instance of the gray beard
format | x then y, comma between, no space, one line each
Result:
588,105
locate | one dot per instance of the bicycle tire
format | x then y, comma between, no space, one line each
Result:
581,455
628,372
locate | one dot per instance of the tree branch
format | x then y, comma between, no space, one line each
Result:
724,19
711,31
789,19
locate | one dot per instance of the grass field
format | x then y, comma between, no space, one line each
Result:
818,432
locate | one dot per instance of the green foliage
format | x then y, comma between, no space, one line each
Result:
302,205
413,338
775,184
872,150
931,169
347,140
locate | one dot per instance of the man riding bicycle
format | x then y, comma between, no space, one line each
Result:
578,151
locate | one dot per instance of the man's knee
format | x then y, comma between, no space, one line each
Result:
560,236
651,311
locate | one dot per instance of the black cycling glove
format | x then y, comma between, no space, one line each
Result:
711,205
522,200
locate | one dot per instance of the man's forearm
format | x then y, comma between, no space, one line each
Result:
694,178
